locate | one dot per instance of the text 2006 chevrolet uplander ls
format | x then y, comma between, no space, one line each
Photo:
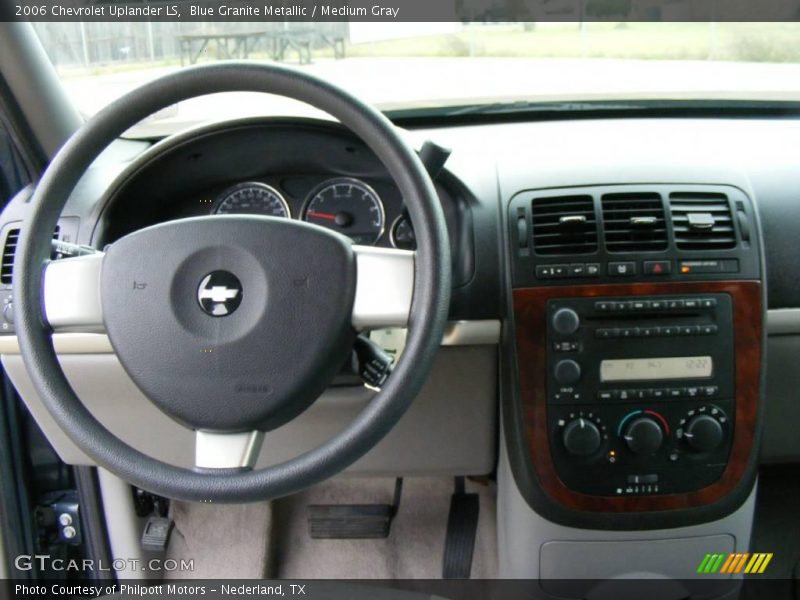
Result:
508,327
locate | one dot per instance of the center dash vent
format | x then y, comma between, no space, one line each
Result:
702,221
10,249
564,225
634,222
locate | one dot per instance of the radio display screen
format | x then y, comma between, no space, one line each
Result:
649,369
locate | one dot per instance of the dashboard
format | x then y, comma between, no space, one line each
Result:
641,270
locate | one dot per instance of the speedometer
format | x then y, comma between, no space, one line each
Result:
348,206
252,198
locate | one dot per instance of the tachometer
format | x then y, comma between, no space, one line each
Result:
348,206
252,198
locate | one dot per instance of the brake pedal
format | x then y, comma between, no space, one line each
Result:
353,521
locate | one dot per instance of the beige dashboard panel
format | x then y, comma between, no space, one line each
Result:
450,428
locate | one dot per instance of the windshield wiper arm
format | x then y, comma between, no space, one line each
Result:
531,106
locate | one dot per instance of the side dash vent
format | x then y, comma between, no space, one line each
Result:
634,222
564,225
702,221
9,251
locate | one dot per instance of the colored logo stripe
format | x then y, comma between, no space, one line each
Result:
710,563
758,563
734,563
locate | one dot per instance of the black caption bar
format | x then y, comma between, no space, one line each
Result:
400,10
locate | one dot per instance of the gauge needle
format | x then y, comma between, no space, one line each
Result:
321,215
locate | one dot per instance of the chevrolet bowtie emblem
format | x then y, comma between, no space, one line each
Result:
219,293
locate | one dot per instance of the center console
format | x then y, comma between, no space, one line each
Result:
636,337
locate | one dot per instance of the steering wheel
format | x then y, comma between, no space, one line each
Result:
232,325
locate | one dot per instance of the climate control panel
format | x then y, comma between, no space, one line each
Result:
645,409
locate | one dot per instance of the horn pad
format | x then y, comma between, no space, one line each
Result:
230,323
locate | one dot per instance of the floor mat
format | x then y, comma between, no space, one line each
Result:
414,548
223,541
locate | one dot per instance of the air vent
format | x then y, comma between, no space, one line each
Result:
564,225
9,250
634,222
702,221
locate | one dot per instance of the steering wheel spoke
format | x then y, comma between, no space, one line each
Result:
384,287
215,450
72,294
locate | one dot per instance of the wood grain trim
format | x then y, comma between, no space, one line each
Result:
530,332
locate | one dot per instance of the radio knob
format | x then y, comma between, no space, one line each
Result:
567,371
581,437
566,321
643,435
703,433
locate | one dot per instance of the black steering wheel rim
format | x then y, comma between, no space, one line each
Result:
427,316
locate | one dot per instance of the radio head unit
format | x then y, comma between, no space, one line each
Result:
639,392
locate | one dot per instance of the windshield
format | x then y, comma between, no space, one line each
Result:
436,66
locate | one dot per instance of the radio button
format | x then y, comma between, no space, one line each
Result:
710,391
629,332
646,331
690,330
605,395
674,304
708,329
566,346
592,269
605,333
659,394
566,321
640,305
567,371
603,306
691,303
691,392
708,302
669,331
658,305
675,392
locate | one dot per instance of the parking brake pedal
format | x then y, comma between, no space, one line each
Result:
353,521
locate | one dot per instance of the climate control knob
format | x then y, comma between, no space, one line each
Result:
581,437
566,321
703,433
567,371
643,435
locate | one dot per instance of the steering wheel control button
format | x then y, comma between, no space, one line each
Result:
219,293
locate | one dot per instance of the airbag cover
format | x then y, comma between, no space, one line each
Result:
230,323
